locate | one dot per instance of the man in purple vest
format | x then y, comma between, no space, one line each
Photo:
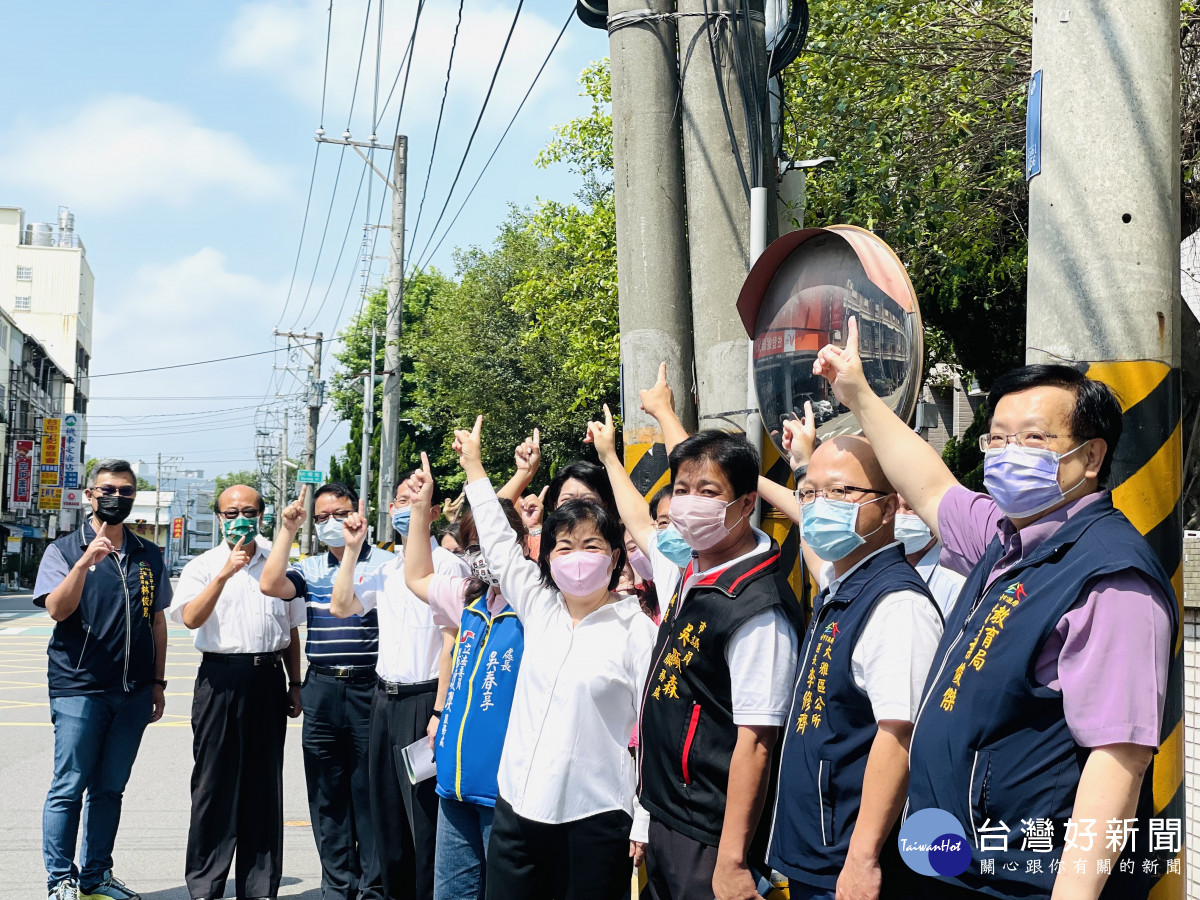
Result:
1045,703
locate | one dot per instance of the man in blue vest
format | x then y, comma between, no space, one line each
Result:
1045,704
106,590
862,667
336,694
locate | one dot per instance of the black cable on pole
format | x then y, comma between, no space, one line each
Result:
496,149
300,246
324,232
483,109
358,71
438,128
325,74
201,362
733,142
342,252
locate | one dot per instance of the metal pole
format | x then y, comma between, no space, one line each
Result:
157,487
310,442
367,424
718,190
281,478
653,287
389,439
1104,268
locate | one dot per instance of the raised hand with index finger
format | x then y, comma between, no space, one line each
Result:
294,514
842,368
468,446
799,437
603,435
354,527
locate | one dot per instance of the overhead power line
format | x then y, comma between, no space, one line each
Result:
479,119
199,362
496,149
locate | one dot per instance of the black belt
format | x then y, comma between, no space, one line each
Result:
406,689
346,673
244,659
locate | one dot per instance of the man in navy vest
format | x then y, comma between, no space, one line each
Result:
106,590
862,667
336,694
1045,704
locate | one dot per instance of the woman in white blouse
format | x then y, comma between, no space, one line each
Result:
565,824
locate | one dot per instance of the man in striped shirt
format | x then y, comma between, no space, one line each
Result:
336,695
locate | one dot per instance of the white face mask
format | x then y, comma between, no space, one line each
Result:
330,533
912,532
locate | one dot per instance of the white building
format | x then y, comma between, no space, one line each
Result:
47,287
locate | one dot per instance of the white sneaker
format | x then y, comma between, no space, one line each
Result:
66,889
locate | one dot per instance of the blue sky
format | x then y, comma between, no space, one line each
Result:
181,136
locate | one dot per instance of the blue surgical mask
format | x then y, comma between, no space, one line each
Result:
672,545
828,527
1023,481
400,520
912,532
330,533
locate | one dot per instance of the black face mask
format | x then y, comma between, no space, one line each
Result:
113,510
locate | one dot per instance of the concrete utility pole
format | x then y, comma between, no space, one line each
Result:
310,344
389,439
281,483
718,189
653,288
157,488
1104,195
367,424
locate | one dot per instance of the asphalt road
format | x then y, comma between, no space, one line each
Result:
150,844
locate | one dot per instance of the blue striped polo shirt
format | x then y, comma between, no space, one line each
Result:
353,641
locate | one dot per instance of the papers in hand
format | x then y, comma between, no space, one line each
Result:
418,760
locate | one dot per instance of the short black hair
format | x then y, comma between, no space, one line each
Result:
590,474
113,467
567,518
654,501
1097,412
338,489
731,453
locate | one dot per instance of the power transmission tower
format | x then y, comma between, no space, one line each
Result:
390,413
311,344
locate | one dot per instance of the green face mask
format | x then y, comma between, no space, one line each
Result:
242,528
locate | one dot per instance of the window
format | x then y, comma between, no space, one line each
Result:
24,273
22,303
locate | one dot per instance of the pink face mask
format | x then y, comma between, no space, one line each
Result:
641,564
580,573
700,520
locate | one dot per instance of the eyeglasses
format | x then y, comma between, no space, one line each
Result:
1037,440
107,490
835,492
339,516
249,512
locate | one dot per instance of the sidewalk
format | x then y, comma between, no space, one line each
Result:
154,821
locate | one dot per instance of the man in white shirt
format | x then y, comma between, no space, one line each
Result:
924,552
240,707
410,652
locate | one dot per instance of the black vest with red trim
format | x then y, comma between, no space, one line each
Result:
686,731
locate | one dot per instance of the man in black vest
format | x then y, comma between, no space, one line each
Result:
1045,704
106,591
718,687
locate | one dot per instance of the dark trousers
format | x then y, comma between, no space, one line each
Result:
336,740
587,859
239,718
404,814
677,867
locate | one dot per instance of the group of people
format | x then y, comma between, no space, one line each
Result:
607,682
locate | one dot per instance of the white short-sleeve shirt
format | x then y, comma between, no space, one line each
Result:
410,642
245,620
891,660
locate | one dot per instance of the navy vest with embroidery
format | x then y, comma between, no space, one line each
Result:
474,720
686,730
831,726
990,745
107,644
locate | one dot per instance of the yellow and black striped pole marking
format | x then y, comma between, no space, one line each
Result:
646,463
784,530
1147,482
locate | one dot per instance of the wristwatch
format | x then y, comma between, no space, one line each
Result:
292,684
161,682
437,713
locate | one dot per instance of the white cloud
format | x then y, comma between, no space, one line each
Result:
123,150
285,41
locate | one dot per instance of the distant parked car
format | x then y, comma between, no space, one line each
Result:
178,564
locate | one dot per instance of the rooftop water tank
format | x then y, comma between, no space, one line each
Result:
41,234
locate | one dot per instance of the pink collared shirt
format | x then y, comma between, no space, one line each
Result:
1108,655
